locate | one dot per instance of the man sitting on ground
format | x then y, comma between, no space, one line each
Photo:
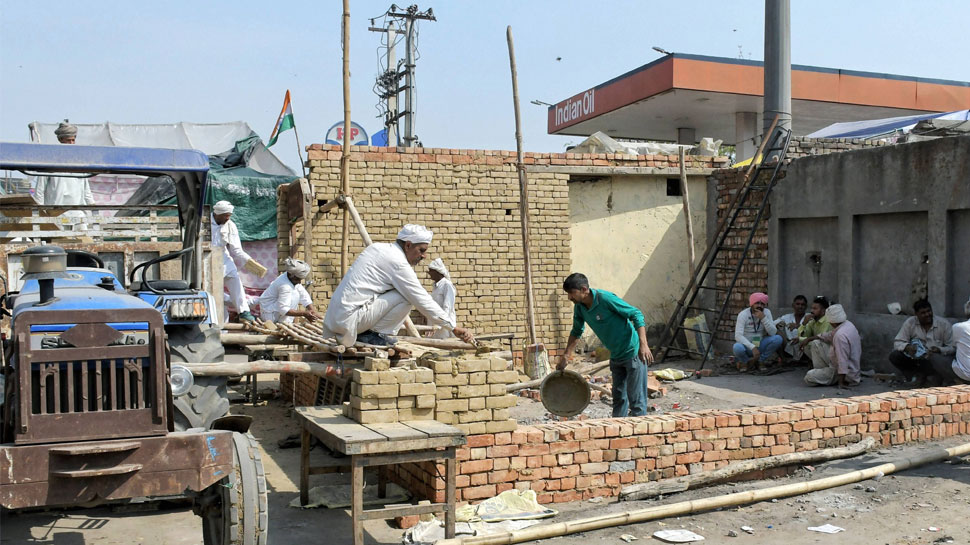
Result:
809,340
379,291
923,345
790,324
755,333
281,300
622,330
845,354
961,340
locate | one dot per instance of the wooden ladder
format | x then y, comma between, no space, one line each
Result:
724,257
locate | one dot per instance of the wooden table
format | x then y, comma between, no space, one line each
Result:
378,445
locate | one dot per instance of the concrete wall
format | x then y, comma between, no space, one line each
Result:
630,238
889,225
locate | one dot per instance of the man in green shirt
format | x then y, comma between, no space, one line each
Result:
622,330
813,326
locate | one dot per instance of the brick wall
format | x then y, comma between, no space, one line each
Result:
569,461
470,199
754,273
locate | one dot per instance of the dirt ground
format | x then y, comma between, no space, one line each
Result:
898,509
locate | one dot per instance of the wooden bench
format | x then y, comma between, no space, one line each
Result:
378,445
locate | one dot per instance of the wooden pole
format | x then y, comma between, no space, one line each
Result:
637,516
258,366
690,222
306,192
299,150
523,195
345,157
704,478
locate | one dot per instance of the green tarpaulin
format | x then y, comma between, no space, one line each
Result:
252,193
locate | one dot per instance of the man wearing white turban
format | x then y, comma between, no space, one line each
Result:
225,235
281,300
845,354
63,190
379,291
443,293
960,368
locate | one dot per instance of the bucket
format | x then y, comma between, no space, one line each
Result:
564,393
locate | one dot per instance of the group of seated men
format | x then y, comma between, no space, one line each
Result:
927,349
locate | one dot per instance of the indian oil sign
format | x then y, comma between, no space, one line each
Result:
574,109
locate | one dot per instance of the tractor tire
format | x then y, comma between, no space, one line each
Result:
234,510
208,399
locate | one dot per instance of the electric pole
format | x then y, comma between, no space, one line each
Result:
401,22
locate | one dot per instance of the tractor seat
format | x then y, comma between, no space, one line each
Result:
181,286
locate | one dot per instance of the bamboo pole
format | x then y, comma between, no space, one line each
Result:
523,195
586,370
690,222
448,344
669,486
635,516
345,156
257,366
251,338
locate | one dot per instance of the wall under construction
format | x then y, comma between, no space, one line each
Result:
571,461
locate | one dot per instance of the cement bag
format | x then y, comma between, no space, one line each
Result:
536,361
697,341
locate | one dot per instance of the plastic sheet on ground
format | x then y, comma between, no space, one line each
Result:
338,496
428,532
509,505
670,374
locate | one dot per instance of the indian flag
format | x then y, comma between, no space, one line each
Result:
284,122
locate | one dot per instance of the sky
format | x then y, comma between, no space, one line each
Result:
216,61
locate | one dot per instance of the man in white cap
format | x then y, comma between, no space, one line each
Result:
960,368
225,235
845,354
281,300
379,291
63,190
443,293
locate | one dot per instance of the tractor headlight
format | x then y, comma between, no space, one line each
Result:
181,380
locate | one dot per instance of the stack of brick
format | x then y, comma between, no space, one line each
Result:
380,394
471,392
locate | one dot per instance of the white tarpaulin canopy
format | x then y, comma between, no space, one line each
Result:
883,127
209,138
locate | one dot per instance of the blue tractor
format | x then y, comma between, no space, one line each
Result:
94,405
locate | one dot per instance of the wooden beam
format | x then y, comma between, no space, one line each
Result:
617,170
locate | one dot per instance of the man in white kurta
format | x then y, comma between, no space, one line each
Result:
225,235
65,190
379,291
443,293
282,299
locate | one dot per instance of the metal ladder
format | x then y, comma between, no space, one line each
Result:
714,260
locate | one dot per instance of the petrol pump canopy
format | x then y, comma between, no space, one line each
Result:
705,93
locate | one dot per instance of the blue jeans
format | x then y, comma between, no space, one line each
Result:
767,347
629,387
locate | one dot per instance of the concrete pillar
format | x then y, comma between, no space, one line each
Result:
745,135
686,136
777,65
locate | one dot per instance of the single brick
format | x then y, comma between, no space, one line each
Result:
379,417
365,377
418,389
472,366
371,391
376,364
425,402
500,402
407,402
